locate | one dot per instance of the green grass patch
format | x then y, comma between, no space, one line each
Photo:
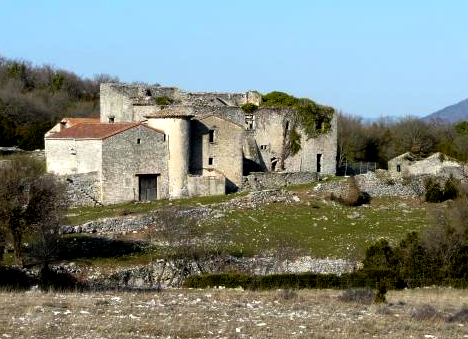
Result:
317,229
81,215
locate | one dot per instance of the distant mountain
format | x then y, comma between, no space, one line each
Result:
450,114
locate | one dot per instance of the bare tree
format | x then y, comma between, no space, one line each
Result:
30,202
48,200
350,137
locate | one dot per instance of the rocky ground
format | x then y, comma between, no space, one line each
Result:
421,313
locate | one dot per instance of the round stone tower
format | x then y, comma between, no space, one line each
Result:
176,126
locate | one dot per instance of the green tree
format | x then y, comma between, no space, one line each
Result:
57,81
462,127
32,136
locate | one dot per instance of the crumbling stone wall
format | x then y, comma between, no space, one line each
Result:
269,180
199,186
269,130
223,152
83,189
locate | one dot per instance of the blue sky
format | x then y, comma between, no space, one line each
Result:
370,58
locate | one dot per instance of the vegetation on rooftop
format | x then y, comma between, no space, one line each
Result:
163,100
249,107
314,119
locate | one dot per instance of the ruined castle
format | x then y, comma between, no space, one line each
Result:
154,142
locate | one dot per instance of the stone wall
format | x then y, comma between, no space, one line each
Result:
164,273
124,158
378,184
69,156
199,186
118,100
269,126
83,189
223,153
325,145
268,180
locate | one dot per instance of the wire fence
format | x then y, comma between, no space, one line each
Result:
354,168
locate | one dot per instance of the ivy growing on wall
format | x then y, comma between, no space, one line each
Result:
315,119
294,141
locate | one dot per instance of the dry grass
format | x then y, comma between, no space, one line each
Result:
227,314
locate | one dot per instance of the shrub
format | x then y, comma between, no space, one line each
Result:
51,280
286,294
279,99
358,295
426,313
459,317
14,278
249,107
229,280
381,291
354,196
434,192
163,101
451,190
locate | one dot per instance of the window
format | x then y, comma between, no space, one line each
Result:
111,120
264,147
287,125
319,125
138,141
164,137
398,168
211,136
250,121
210,161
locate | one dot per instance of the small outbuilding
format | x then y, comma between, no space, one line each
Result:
438,164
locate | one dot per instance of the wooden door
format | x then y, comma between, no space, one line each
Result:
148,187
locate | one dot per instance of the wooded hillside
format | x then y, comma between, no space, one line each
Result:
34,98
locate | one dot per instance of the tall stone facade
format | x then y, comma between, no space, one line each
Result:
168,143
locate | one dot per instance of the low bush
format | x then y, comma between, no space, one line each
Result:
228,280
359,279
451,190
426,313
249,107
381,291
163,101
435,193
287,294
354,196
460,316
363,296
14,279
52,280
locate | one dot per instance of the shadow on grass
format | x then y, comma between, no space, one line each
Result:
87,247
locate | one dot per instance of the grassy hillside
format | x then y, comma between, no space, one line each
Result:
312,226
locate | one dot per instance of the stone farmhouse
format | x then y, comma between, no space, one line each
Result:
438,165
154,142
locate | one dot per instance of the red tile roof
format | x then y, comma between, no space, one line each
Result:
75,121
93,130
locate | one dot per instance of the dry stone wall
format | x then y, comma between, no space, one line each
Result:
270,180
83,189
